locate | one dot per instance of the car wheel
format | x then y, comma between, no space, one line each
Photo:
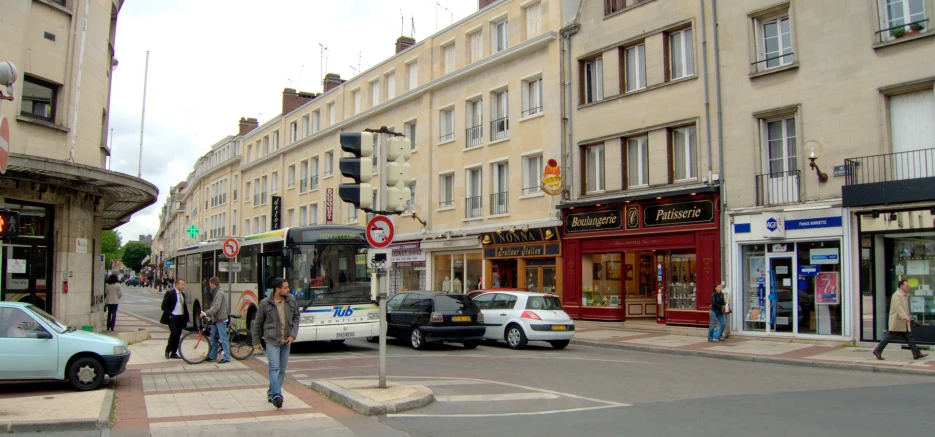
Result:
470,344
560,344
417,339
86,373
515,337
373,339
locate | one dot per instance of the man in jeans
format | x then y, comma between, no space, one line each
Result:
277,322
218,313
717,323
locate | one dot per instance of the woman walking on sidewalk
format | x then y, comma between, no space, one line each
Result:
112,295
716,325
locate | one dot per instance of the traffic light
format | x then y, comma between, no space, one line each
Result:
398,173
359,168
9,223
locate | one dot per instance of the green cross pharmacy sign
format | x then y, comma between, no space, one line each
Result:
192,231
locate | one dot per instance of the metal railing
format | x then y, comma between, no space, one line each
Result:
778,188
499,203
790,55
532,111
303,185
532,190
499,128
475,136
446,137
313,182
901,30
446,203
473,207
328,172
914,164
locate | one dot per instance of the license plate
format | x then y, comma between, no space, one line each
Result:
345,334
559,328
461,319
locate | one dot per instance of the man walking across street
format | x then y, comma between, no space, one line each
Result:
277,322
174,314
899,322
218,314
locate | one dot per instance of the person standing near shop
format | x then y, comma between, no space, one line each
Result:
112,295
218,314
717,323
277,322
899,322
174,314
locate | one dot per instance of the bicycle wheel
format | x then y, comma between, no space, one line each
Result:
241,343
194,347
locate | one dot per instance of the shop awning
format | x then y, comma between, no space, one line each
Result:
121,194
620,198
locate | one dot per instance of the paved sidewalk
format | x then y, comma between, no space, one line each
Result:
800,353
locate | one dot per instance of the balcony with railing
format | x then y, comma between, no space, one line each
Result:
779,188
475,136
446,203
901,31
473,207
889,178
499,203
532,190
303,185
499,128
313,182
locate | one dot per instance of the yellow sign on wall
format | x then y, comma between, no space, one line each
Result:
552,179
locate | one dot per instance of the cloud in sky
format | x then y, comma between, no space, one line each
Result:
212,62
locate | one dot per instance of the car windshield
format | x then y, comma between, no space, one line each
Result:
543,303
452,303
49,319
330,274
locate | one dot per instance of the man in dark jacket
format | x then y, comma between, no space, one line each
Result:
277,322
717,315
174,314
218,315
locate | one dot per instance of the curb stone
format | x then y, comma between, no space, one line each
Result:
38,426
759,359
369,407
134,336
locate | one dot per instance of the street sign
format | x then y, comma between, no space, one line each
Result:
380,231
169,263
234,267
231,247
4,144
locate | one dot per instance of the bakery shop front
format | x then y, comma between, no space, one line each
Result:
655,259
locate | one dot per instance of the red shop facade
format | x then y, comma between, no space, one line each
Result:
655,259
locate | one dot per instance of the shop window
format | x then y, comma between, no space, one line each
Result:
754,287
601,280
818,297
457,273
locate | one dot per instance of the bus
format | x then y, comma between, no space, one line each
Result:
326,267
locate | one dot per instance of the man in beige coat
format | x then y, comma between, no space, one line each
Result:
899,322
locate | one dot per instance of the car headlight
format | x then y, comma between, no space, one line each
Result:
373,316
306,320
121,350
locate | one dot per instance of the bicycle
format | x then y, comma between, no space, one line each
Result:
195,345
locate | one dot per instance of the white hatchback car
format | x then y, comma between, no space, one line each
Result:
519,317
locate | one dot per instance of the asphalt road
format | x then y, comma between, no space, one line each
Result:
585,390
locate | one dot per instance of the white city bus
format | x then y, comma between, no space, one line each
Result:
325,267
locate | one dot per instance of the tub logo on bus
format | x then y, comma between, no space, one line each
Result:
344,311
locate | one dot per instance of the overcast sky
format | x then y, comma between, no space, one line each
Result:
214,61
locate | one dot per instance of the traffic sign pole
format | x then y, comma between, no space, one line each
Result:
383,283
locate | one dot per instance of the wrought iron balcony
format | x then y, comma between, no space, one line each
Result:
889,178
778,188
475,136
499,203
314,182
499,128
472,207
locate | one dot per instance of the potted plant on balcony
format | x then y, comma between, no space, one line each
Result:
897,32
916,27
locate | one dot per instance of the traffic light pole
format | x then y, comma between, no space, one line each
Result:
383,282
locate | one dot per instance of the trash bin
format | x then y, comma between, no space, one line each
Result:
88,328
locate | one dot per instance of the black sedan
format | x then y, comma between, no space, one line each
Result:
425,317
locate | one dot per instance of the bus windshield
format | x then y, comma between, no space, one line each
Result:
330,274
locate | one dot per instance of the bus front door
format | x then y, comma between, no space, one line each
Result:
271,267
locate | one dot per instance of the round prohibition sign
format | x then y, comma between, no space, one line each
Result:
380,231
231,248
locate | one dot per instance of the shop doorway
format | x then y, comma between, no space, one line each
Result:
25,274
505,274
781,294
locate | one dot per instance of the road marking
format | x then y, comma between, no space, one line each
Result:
527,413
496,397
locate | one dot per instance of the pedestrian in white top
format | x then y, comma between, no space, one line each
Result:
112,295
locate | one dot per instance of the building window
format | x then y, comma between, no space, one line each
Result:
290,181
533,20
303,211
331,114
774,42
412,197
316,121
473,199
446,183
263,223
374,93
499,36
781,183
293,132
446,125
409,129
263,183
390,86
637,165
681,54
449,57
246,227
256,192
500,186
475,47
313,178
39,99
356,102
313,214
329,163
781,148
305,126
635,67
236,185
274,183
351,213
413,75
234,223
500,114
594,168
303,176
532,96
612,6
900,17
249,152
475,128
683,156
593,73
532,174
266,145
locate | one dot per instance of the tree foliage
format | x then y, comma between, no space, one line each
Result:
111,242
133,254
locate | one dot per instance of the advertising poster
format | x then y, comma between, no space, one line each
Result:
826,288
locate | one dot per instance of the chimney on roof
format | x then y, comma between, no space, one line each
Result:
332,80
481,4
404,42
292,100
247,125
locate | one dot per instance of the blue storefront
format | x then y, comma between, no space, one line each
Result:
789,274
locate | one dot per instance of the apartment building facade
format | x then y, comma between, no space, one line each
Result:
57,122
